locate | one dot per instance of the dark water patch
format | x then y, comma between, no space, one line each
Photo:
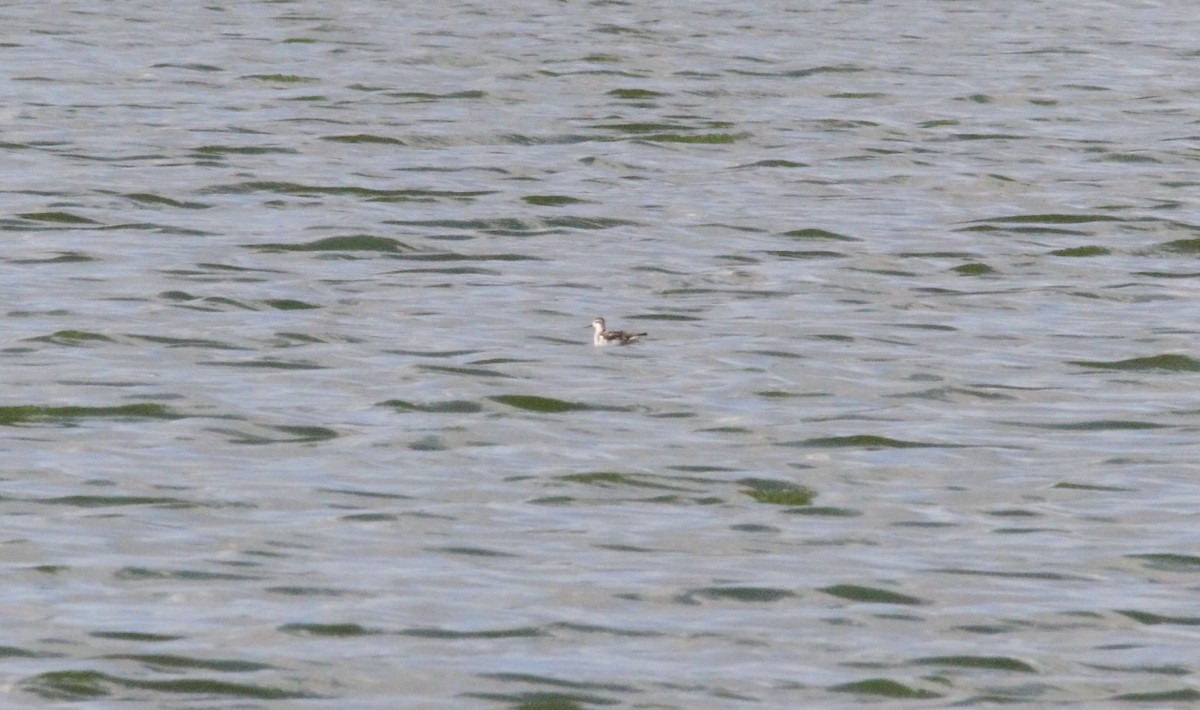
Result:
512,226
91,685
1149,619
13,415
72,338
949,394
82,501
1156,669
187,342
280,78
1096,425
991,663
142,574
775,492
289,340
986,137
884,688
1168,275
356,242
328,630
1127,158
543,701
818,234
1184,695
135,636
1044,576
159,661
453,256
149,198
701,468
1082,251
431,442
302,190
1014,513
772,164
451,406
470,551
549,405
1055,231
434,353
309,591
1169,562
1182,246
824,511
64,257
857,95
609,479
1067,485
641,128
208,151
464,371
870,595
973,269
1050,219
808,254
775,353
421,96
592,629
738,594
293,435
15,652
864,441
518,632
552,200
265,364
374,495
1168,362
453,271
56,218
368,138
695,138
370,518
289,304
636,94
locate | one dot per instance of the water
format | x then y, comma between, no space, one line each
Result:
300,408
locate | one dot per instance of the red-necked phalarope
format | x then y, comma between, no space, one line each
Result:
600,336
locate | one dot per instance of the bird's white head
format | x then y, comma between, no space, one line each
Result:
598,325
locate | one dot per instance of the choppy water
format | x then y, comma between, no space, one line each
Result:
299,406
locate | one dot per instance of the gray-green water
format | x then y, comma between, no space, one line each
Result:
299,407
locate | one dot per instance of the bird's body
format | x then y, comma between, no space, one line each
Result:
601,336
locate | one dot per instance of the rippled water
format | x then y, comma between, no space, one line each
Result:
300,408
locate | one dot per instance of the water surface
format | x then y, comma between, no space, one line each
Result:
300,406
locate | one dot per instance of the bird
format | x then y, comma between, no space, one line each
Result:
600,336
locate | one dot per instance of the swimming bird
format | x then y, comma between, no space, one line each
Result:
600,336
